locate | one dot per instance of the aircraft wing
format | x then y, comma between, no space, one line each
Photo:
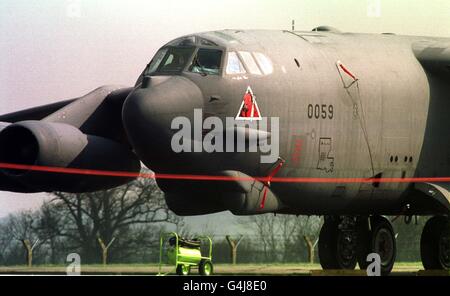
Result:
81,133
35,113
96,113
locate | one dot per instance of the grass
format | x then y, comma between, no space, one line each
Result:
146,269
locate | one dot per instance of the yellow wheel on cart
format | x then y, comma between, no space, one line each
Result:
183,269
205,267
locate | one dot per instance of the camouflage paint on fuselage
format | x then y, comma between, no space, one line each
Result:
371,127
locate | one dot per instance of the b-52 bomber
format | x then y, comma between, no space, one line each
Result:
352,127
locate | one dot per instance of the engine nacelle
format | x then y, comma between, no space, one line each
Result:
51,144
248,197
243,196
3,125
186,204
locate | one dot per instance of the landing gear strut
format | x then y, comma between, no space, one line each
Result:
435,243
345,241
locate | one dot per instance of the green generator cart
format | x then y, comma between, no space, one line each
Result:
184,253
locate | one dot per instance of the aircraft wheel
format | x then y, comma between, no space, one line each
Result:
435,243
327,243
346,250
205,267
383,243
364,241
336,247
183,269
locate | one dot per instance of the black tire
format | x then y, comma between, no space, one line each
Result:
346,250
205,267
432,254
327,245
334,252
183,269
383,242
364,240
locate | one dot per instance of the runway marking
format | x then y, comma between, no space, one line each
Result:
189,177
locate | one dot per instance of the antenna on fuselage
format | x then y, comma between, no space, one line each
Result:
293,25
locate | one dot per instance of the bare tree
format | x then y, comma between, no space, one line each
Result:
49,229
29,246
106,214
5,242
283,236
266,230
288,227
23,228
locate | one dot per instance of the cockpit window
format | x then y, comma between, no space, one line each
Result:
207,61
255,62
250,62
175,59
234,65
184,54
264,63
154,64
170,60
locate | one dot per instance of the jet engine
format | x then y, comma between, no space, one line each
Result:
248,197
3,125
58,145
192,204
242,196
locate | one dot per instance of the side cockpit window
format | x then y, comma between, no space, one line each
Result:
207,61
255,63
176,59
154,64
234,65
250,62
264,63
170,60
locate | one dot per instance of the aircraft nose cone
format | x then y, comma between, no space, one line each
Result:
148,112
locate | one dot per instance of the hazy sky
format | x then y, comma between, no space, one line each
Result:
56,49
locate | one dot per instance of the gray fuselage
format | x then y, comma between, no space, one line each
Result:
331,124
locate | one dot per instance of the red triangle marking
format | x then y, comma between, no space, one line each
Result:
249,108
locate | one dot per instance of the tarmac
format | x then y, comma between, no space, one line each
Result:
219,269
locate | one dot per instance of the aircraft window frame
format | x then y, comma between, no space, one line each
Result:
264,63
206,71
192,40
241,66
186,41
156,61
203,42
250,62
160,70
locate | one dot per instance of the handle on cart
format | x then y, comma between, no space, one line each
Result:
164,236
205,237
